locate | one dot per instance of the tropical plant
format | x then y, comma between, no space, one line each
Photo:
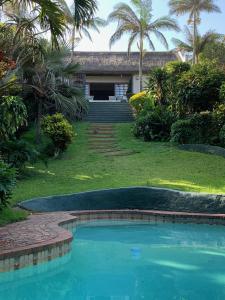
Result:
194,8
155,125
199,88
13,115
59,130
52,88
49,14
17,153
222,92
198,129
200,43
140,26
215,51
142,101
157,84
81,18
7,183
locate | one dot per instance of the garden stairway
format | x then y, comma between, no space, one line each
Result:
102,139
109,112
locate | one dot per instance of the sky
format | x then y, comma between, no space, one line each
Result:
160,8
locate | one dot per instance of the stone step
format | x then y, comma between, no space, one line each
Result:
109,113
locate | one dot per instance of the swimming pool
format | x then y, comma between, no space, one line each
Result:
129,260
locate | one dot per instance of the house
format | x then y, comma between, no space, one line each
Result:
109,76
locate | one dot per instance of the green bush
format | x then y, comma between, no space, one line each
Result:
219,114
17,153
59,130
155,125
176,68
198,129
222,92
13,115
199,88
7,183
222,136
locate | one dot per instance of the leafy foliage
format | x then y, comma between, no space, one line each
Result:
17,153
7,183
59,130
199,87
222,136
142,101
13,115
157,84
222,92
155,125
198,129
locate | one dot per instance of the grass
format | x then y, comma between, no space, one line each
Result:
155,164
11,215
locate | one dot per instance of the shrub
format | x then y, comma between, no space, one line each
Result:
199,88
17,153
219,114
175,68
7,183
222,136
222,92
155,125
59,130
198,129
142,101
13,115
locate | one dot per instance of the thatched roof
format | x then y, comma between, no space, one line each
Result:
120,62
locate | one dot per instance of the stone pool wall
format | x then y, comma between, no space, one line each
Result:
142,198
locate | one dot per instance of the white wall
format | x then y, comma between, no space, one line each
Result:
136,83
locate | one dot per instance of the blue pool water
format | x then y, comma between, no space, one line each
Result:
129,261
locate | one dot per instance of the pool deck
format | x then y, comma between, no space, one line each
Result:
45,236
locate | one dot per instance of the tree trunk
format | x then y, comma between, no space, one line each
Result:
38,122
73,43
141,62
194,39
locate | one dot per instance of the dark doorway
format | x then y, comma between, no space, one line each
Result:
102,91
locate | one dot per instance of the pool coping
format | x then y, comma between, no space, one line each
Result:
43,237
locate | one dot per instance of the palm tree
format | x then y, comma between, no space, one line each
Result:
50,83
81,17
93,24
201,42
139,25
50,15
194,8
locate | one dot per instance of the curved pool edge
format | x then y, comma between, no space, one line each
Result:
56,230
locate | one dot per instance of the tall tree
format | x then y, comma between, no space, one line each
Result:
201,42
138,23
49,13
81,17
194,8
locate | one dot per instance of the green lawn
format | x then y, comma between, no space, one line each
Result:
155,164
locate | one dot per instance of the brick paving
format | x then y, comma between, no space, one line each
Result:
37,231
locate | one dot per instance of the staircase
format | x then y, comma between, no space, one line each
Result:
109,112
